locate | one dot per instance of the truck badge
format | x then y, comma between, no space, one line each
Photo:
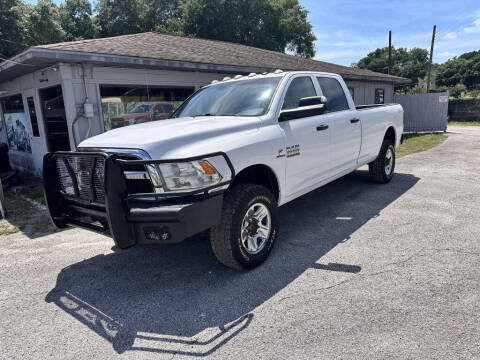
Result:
293,150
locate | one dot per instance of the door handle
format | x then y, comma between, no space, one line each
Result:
322,127
354,120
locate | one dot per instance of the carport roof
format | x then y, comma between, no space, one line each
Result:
155,50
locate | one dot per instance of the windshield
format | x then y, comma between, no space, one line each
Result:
236,98
143,108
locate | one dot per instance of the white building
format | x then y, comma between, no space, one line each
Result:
128,79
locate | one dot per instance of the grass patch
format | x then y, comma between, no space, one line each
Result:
23,216
419,142
6,228
34,193
464,123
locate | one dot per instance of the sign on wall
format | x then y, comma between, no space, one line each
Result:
18,132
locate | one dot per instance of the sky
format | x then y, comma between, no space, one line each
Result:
348,30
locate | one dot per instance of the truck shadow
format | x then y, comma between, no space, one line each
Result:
179,300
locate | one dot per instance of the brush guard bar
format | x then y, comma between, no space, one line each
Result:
89,190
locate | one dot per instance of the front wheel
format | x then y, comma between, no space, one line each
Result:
382,168
248,227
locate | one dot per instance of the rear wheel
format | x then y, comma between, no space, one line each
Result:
381,170
248,227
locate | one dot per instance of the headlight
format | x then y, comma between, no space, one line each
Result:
188,175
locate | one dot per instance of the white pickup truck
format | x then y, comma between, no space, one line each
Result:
224,161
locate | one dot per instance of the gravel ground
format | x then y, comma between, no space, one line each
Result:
359,271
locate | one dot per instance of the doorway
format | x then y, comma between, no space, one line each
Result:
55,119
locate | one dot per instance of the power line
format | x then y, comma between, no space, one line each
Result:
15,62
12,61
14,42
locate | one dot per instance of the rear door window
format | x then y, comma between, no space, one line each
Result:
333,91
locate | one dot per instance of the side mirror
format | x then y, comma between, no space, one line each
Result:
312,100
302,112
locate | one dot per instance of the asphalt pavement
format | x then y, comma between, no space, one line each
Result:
359,271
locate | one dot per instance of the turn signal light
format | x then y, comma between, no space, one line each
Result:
207,168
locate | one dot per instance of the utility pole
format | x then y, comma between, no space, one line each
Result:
389,52
431,57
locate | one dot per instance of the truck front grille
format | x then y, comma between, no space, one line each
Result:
82,176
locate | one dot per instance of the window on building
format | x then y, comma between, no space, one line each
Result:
15,120
379,96
33,116
124,105
300,87
333,91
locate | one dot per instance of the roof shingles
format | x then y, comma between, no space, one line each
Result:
168,47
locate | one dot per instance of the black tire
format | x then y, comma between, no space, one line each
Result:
377,168
225,238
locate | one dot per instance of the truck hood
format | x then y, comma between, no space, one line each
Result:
180,137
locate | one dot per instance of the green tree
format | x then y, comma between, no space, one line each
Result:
277,25
296,28
43,24
76,19
411,64
12,35
451,72
121,17
164,16
464,69
471,69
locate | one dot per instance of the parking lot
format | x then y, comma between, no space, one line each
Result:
359,270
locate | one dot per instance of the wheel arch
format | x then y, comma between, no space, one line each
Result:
391,134
259,174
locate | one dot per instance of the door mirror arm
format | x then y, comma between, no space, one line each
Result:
302,112
312,100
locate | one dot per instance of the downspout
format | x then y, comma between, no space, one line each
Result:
82,111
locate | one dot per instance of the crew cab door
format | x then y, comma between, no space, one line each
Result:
345,125
307,139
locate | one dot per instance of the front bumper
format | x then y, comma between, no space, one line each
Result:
104,204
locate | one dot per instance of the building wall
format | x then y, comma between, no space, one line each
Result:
364,91
79,82
71,79
28,85
74,89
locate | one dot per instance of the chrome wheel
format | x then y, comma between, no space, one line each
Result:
389,161
256,227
